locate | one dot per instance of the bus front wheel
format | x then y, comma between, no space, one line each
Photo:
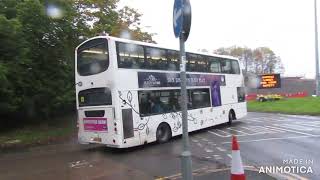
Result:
163,133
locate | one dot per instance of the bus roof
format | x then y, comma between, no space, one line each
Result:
153,45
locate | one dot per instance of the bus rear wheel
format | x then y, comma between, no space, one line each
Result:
231,116
163,133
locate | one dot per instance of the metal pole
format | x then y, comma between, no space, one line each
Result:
186,163
316,47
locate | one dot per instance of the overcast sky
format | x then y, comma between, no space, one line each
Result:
286,26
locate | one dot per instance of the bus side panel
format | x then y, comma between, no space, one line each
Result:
207,117
241,110
228,95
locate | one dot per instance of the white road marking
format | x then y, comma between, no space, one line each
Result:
289,130
217,156
253,120
208,150
78,164
273,130
232,129
194,140
283,120
222,131
295,126
280,117
255,129
199,144
313,122
316,123
265,129
252,130
260,130
211,143
221,149
311,125
204,139
229,155
269,139
301,116
219,134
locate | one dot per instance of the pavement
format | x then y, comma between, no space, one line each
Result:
265,140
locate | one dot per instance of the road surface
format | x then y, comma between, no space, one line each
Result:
265,140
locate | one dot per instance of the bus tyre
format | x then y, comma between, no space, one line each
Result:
231,117
163,133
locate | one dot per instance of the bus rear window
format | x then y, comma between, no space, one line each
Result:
95,97
93,57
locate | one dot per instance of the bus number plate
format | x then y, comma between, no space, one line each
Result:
97,139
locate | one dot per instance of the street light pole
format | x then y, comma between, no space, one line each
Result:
316,48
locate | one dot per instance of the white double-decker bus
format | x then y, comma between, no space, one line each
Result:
128,92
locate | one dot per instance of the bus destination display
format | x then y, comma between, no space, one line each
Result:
267,81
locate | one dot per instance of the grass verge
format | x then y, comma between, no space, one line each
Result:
44,133
303,106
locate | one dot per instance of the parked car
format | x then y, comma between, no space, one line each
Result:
269,97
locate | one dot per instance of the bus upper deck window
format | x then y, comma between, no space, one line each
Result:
93,57
130,56
235,67
226,66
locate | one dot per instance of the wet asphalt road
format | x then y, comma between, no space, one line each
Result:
265,140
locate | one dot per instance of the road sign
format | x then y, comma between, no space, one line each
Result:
181,18
177,17
186,19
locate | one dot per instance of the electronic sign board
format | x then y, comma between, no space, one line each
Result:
267,81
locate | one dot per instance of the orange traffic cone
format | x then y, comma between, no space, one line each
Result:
237,172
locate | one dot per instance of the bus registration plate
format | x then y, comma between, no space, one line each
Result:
97,139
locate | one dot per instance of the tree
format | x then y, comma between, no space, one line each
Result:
36,59
258,61
102,16
12,59
37,51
